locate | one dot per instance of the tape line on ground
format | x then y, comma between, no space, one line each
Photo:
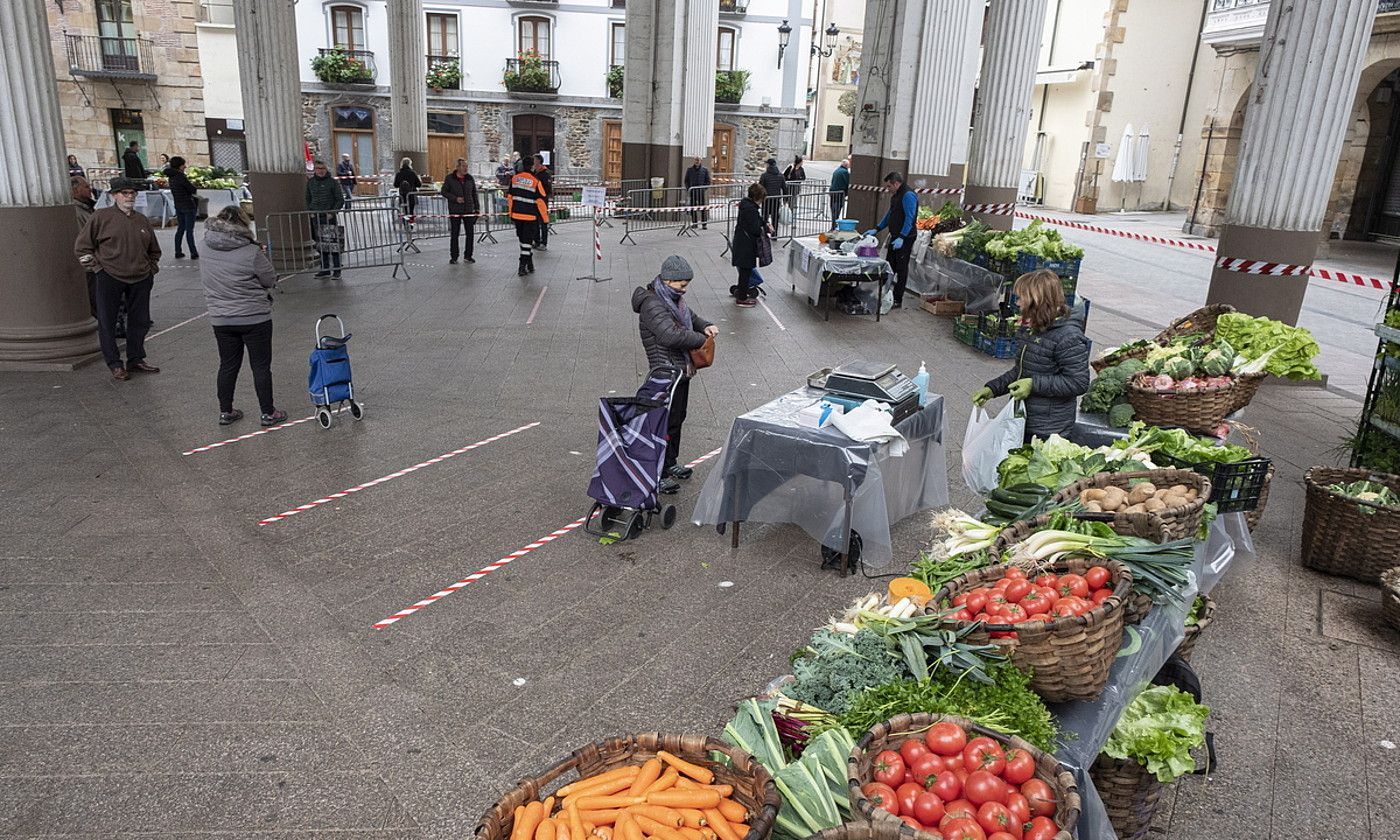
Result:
265,431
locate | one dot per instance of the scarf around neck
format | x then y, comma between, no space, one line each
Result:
675,302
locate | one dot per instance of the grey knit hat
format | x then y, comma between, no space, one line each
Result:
676,268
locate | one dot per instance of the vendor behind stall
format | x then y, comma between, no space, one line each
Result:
1052,362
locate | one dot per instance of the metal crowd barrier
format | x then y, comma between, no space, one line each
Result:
678,208
344,240
810,215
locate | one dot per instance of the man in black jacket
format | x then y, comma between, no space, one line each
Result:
459,188
697,178
774,184
186,206
131,162
546,179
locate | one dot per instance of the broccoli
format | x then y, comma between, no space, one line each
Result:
836,667
1131,366
1120,415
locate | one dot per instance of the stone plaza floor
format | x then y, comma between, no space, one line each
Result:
173,668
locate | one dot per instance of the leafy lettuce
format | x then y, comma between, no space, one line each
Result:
1294,347
1056,462
1159,729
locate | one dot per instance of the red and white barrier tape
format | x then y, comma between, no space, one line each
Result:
267,431
503,562
991,209
1260,267
1353,279
391,476
915,190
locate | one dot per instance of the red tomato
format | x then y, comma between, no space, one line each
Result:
948,786
1040,797
881,796
958,809
963,830
1000,835
963,615
1018,806
959,600
1034,601
983,617
997,609
1097,577
906,794
889,768
1020,767
912,823
1101,595
911,750
1017,590
945,738
1073,584
1015,573
1042,828
984,754
928,809
1000,586
927,765
1051,593
1013,613
983,787
1048,580
976,601
993,816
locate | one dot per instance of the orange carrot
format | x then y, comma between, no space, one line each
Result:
629,830
709,833
576,825
665,816
700,774
691,833
602,832
516,822
724,790
530,820
716,821
693,817
650,772
685,798
548,806
666,782
603,817
561,830
652,828
733,811
598,803
602,787
598,779
546,830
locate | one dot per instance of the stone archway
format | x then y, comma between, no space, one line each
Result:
1220,154
1368,161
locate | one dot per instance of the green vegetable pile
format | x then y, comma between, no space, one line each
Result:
1112,355
1036,239
1056,462
971,240
1181,445
1159,729
836,666
1367,491
1107,393
213,178
1198,608
1294,348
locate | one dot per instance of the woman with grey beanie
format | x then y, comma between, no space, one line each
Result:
670,330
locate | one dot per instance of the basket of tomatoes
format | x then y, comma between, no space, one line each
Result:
1063,624
937,776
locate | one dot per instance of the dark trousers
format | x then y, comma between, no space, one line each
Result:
742,289
543,240
330,255
185,228
111,293
454,227
771,210
232,339
698,196
838,203
679,403
528,232
899,263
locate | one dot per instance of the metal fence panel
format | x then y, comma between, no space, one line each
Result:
345,240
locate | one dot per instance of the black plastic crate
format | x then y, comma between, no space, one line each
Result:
1234,488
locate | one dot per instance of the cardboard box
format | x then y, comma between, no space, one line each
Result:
943,307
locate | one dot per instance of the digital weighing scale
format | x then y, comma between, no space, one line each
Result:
852,383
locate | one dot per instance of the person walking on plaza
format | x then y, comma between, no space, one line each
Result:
793,177
749,235
120,247
324,197
406,181
186,206
697,178
774,185
238,280
546,179
463,205
132,167
528,210
670,330
839,189
75,169
904,209
1052,367
345,173
84,205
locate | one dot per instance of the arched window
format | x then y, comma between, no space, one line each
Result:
533,34
348,27
725,48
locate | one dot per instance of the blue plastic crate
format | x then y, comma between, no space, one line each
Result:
998,347
1068,269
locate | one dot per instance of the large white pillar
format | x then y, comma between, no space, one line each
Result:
268,70
999,126
1295,122
44,315
945,79
698,78
408,92
668,95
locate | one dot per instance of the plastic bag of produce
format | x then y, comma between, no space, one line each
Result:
987,442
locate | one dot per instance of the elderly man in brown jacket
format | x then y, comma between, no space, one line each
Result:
119,246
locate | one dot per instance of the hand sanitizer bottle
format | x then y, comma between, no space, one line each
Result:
921,382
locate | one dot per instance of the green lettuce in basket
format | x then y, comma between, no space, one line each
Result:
1158,730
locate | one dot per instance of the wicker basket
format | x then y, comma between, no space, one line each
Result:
1200,411
1200,322
895,731
1178,523
1068,657
1145,525
1252,517
1343,536
1130,795
1390,596
753,786
877,830
1193,631
1246,386
1109,360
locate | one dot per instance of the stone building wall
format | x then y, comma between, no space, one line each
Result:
757,141
172,107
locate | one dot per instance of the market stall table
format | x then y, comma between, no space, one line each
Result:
775,469
822,270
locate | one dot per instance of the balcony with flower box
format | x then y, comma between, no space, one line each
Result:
444,73
531,76
338,66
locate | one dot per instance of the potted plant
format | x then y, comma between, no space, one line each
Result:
445,73
528,74
731,85
615,75
339,67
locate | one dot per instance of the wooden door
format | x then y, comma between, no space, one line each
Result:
612,151
534,133
723,149
443,151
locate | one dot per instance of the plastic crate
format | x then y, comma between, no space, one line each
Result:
1068,269
965,330
1235,487
998,347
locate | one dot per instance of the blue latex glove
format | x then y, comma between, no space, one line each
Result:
897,243
871,232
1020,389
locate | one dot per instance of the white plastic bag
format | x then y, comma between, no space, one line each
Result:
785,214
986,443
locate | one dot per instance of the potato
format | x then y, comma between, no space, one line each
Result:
1138,508
1093,494
1192,494
1095,507
1177,489
1173,502
1154,504
1141,493
1113,498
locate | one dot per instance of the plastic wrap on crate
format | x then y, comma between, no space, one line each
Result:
775,470
814,264
955,279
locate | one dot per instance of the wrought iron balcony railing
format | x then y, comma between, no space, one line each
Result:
531,75
109,57
338,65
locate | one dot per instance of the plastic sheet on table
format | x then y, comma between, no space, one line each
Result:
955,279
775,470
810,261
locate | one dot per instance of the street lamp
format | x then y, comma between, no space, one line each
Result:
784,33
831,32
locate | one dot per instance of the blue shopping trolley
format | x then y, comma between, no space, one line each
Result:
329,380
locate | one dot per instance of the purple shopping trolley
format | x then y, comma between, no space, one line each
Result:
631,451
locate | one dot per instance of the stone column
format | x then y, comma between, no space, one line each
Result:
1004,93
408,92
698,79
268,67
1294,126
45,322
669,71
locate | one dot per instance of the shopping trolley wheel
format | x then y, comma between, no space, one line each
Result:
634,528
831,558
668,516
323,416
356,411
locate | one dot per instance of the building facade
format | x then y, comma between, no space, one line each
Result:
835,79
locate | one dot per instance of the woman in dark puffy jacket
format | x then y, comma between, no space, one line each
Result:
749,231
1052,362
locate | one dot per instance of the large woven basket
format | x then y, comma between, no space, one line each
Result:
1178,523
1200,411
1068,657
1390,596
1130,795
877,830
1111,359
1252,517
1200,322
1145,525
1193,631
895,731
1246,386
753,786
1343,536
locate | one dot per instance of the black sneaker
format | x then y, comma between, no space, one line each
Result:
523,270
452,261
669,486
227,417
179,256
323,274
682,473
194,256
530,266
277,416
470,260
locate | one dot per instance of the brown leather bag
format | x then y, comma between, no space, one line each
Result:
704,355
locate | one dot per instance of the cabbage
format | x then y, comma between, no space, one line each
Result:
1178,368
1215,363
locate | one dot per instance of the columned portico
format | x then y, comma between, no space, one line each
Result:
408,94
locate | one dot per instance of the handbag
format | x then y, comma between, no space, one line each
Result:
704,355
765,250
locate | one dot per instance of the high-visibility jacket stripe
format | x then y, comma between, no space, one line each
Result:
527,202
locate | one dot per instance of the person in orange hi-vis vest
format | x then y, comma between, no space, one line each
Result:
529,211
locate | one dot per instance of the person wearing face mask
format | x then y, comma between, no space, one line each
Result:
119,246
669,331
